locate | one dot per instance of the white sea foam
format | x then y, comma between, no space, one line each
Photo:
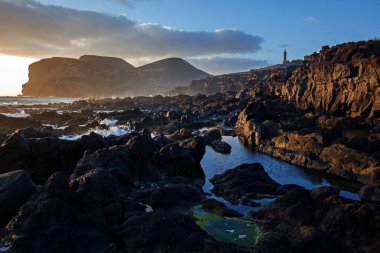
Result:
103,111
16,115
109,122
55,126
112,130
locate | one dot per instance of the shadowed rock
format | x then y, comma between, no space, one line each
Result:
15,189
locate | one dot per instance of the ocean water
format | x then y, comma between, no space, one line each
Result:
16,101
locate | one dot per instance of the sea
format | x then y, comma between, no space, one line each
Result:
18,100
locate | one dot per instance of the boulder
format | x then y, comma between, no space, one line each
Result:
350,164
180,134
370,193
162,231
219,208
183,158
15,189
236,183
221,147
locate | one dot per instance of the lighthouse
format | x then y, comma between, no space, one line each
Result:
285,60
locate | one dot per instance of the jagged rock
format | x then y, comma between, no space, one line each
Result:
221,147
218,208
180,134
323,192
162,231
9,124
350,164
339,80
183,158
80,222
15,189
302,216
42,157
370,193
235,183
34,133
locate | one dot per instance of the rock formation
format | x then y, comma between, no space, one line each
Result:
98,76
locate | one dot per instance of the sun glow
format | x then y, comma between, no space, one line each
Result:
13,74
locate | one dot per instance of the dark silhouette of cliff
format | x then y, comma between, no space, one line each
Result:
99,76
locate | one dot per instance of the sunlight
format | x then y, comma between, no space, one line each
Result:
13,74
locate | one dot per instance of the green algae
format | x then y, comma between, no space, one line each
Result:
225,229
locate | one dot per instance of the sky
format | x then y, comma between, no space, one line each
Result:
218,36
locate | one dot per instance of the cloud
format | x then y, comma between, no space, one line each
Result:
131,3
28,28
219,65
312,19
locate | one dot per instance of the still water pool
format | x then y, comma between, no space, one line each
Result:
284,173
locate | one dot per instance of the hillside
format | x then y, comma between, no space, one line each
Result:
106,76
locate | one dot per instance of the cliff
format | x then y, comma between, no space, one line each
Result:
341,80
323,115
105,77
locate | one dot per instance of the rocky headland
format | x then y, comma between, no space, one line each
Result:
99,76
125,174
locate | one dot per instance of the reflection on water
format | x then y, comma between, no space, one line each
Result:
282,172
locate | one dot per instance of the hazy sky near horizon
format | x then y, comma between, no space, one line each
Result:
217,36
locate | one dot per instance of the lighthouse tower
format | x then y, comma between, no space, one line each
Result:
285,60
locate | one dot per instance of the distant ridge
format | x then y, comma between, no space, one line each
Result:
112,63
101,76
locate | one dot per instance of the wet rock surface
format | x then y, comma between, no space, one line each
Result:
320,219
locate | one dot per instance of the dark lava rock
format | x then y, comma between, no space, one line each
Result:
80,222
15,189
92,141
211,135
119,161
161,141
42,157
9,124
181,134
272,242
323,192
314,240
321,219
31,132
221,147
235,183
183,158
162,231
370,193
214,134
170,196
219,208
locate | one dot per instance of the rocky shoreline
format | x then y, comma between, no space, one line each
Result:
125,175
